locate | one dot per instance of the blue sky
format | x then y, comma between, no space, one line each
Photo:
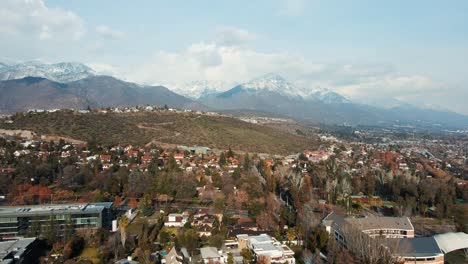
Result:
415,51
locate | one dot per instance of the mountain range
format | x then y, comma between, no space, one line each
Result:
74,85
58,72
20,94
200,88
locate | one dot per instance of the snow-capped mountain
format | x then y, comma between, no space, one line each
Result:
59,72
198,89
326,96
277,84
273,83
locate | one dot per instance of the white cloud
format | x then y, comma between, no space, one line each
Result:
108,32
239,63
106,69
227,59
392,85
34,18
210,61
232,36
293,7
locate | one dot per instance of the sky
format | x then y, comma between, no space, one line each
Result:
413,51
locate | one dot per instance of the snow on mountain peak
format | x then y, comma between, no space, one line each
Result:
59,72
274,83
200,88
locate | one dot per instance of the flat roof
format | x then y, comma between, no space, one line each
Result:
417,247
30,210
380,222
16,246
449,242
209,252
262,238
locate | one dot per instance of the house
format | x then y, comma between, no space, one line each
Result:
133,153
196,150
146,159
105,158
267,248
211,255
179,156
176,220
204,224
172,257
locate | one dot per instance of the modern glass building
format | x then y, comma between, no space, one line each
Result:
25,221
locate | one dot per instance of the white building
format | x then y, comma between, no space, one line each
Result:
265,246
211,255
176,220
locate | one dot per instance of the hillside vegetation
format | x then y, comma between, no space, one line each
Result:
162,127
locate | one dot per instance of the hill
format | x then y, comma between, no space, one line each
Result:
33,92
163,128
95,91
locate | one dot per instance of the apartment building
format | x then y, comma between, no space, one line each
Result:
30,220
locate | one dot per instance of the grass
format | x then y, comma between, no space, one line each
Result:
166,128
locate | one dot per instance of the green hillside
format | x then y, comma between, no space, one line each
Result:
164,127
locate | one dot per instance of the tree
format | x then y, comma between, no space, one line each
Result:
247,254
123,223
317,239
222,159
230,259
460,216
368,249
164,237
247,162
172,163
230,153
73,247
146,205
216,241
133,203
303,157
291,234
190,240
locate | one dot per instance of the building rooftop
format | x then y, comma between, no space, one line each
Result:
263,238
334,220
449,242
417,247
29,210
209,252
14,247
375,222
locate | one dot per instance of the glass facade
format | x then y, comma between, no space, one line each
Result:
17,222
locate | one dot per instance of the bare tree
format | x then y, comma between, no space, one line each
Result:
114,245
346,190
371,250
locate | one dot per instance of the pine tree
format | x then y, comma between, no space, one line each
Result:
222,159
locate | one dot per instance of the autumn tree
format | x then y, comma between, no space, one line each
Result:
123,223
